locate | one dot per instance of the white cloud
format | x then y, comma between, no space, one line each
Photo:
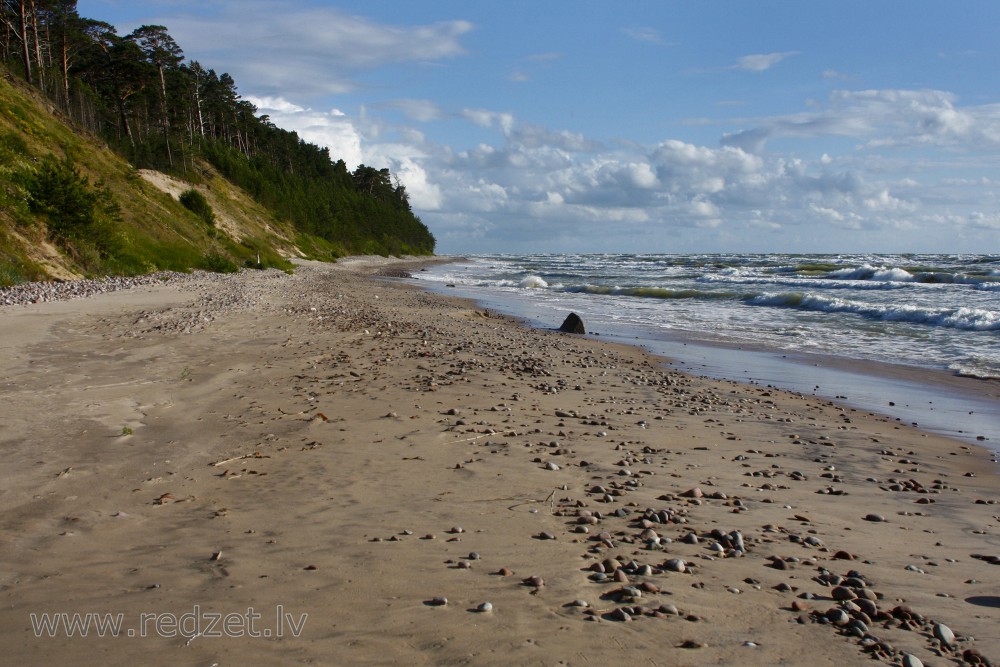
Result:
324,128
311,50
990,221
419,110
834,74
848,170
486,118
882,119
760,62
535,136
883,201
424,195
644,34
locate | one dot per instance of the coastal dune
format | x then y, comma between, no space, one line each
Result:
335,467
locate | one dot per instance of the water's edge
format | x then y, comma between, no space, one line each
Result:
965,409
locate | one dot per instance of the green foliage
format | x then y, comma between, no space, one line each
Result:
218,263
13,147
14,267
196,202
361,213
139,96
57,190
84,218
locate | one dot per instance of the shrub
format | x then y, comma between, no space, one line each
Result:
195,202
218,263
85,219
58,191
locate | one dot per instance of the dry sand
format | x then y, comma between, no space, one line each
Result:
343,449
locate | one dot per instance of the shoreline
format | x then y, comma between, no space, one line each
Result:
353,449
852,382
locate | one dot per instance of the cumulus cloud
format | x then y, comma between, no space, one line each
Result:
424,195
989,221
527,187
486,118
881,119
332,128
863,163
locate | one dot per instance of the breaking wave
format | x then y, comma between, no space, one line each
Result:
650,292
869,272
533,282
969,319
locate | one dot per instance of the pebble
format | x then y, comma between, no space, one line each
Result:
485,607
621,615
876,518
837,616
438,601
676,565
910,660
40,292
943,634
842,593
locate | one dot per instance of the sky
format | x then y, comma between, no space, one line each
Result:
671,126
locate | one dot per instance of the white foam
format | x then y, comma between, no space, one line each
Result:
970,319
868,272
533,282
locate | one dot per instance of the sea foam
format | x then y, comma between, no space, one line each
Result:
971,319
533,282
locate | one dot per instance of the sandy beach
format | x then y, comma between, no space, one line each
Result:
335,467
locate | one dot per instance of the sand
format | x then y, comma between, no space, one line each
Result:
345,452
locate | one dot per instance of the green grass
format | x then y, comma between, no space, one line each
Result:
60,186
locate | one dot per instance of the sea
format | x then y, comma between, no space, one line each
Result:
916,337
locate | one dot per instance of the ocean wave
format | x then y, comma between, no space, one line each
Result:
649,292
975,368
875,273
969,319
533,282
803,283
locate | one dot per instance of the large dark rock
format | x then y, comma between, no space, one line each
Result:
573,324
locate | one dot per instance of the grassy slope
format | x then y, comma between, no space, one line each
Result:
156,231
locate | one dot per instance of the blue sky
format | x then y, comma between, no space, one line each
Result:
646,125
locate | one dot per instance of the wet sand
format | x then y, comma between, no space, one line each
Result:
370,464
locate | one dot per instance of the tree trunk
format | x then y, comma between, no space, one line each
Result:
166,118
38,47
201,120
124,119
64,58
25,47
